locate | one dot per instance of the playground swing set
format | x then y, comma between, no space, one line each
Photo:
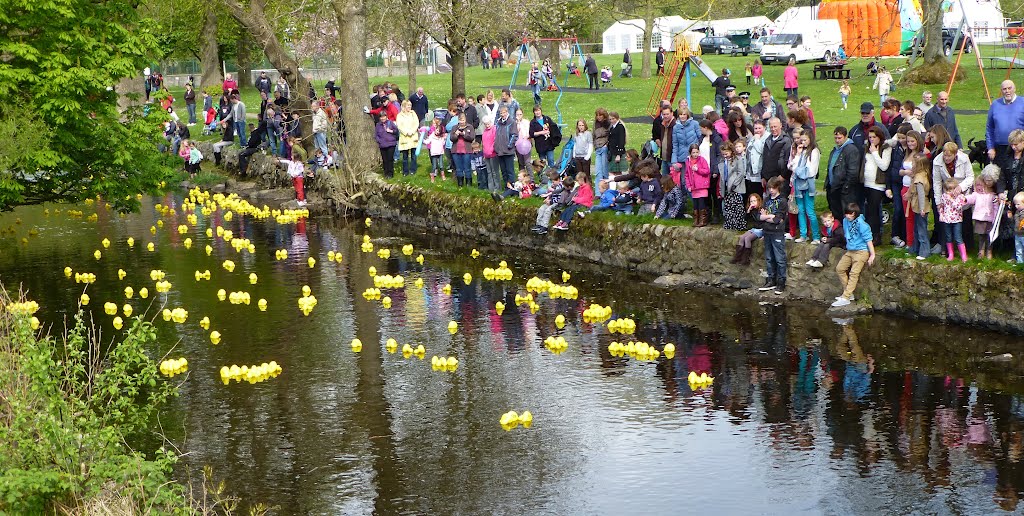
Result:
574,65
685,58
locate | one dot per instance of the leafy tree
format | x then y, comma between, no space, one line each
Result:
58,83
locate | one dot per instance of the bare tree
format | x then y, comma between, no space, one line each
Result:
360,148
210,58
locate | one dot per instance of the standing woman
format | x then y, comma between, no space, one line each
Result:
803,161
616,144
583,147
738,128
877,155
601,126
387,140
791,82
913,150
462,136
408,136
190,103
524,145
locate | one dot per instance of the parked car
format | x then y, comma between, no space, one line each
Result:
757,44
948,45
718,45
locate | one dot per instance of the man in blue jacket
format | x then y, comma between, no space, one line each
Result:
420,105
943,115
1005,115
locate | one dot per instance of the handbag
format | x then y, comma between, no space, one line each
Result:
793,209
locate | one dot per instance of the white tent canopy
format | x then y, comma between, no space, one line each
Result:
630,34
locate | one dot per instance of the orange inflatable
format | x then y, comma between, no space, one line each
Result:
870,27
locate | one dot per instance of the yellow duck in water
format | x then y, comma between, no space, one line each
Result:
499,307
407,249
447,289
453,327
560,321
357,345
419,259
474,254
669,350
391,345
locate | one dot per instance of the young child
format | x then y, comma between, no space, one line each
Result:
732,172
211,121
194,158
297,171
1018,227
582,199
435,142
623,199
844,92
951,212
748,71
560,193
860,251
774,215
479,165
523,188
985,205
918,206
831,236
672,203
745,243
697,179
650,190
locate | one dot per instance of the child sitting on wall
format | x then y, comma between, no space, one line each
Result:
523,188
554,197
582,199
745,243
831,236
672,202
650,190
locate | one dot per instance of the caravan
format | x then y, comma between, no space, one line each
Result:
804,41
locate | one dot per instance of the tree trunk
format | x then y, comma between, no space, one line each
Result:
210,61
645,67
458,61
360,149
244,59
411,49
931,31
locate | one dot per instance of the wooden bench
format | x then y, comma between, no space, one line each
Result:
831,71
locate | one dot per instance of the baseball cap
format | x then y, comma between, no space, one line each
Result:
867,107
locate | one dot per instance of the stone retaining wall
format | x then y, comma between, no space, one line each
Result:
687,257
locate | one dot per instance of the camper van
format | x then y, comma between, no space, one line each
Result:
805,41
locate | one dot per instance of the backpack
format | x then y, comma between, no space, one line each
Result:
556,132
650,149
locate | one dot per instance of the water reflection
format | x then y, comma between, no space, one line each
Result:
806,413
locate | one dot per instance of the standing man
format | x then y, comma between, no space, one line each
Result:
505,135
1005,115
721,83
485,60
842,177
590,66
509,103
238,118
926,101
943,115
627,63
263,83
283,88
775,157
767,108
859,132
419,104
661,132
659,60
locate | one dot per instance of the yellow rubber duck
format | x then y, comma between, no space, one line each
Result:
143,292
306,290
391,345
407,249
98,254
474,253
386,302
499,307
222,294
209,250
262,305
215,337
110,308
131,242
565,276
447,289
105,243
373,271
526,419
253,278
367,222
150,247
420,352
67,272
419,259
84,300
357,345
188,243
509,418
121,274
560,321
453,327
127,309
204,323
406,351
468,278
418,283
312,262
670,350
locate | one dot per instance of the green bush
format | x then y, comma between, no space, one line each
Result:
69,406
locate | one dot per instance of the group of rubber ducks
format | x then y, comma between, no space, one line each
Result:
556,345
173,366
254,374
511,419
641,350
596,313
178,315
698,382
449,364
623,325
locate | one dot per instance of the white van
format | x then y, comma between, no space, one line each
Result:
815,40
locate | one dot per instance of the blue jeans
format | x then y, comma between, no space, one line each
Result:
409,162
536,93
240,131
805,202
920,245
274,142
954,232
462,165
600,162
320,142
1018,247
548,156
191,113
775,255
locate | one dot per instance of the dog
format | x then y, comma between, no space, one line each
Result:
977,152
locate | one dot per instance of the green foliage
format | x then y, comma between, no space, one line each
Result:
67,408
65,78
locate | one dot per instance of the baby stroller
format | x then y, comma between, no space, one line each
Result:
568,164
606,77
627,70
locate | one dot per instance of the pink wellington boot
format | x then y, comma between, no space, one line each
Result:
963,252
949,252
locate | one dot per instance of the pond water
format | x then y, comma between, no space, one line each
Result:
805,415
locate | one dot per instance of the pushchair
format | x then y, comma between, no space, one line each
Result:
606,77
568,164
627,70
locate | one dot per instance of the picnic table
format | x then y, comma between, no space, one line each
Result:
831,71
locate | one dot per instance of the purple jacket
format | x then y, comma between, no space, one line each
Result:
384,138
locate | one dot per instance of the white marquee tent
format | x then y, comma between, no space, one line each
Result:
630,34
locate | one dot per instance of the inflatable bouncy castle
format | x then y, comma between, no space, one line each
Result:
874,27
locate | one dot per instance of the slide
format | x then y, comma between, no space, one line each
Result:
704,69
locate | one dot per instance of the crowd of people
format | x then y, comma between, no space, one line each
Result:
754,168
749,167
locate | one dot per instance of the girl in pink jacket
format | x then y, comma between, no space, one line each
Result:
697,177
582,201
985,205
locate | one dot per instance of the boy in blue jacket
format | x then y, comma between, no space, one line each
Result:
860,251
